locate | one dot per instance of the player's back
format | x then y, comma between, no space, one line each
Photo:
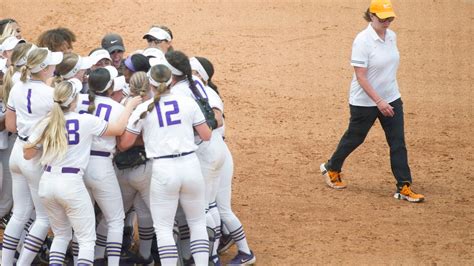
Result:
168,129
31,101
108,110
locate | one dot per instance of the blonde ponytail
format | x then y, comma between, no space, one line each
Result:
139,84
54,138
36,57
19,52
25,71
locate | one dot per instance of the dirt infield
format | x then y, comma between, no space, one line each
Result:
283,70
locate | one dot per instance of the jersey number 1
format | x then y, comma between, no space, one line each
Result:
28,98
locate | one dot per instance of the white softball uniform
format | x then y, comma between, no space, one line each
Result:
135,187
381,58
210,153
215,101
224,191
31,101
168,134
100,177
63,192
6,145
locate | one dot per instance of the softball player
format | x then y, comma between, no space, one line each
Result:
204,69
159,37
135,182
64,136
11,27
12,75
99,176
29,101
73,66
210,153
167,122
6,144
7,46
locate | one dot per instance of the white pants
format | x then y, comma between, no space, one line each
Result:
135,181
224,194
101,181
173,180
25,181
69,207
135,186
230,220
211,157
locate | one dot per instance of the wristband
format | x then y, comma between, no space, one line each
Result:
378,101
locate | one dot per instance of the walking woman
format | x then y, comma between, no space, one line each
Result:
374,94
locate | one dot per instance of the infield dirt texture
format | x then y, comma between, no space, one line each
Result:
283,70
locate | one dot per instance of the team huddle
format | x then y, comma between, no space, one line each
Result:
92,145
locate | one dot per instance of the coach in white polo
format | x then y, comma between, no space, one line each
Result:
374,94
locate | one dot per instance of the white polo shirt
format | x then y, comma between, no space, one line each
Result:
381,58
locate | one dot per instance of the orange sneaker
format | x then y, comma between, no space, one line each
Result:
407,194
332,178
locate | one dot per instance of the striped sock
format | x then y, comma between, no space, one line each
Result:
146,237
75,251
28,225
240,240
184,241
100,244
168,254
217,238
200,250
9,249
113,252
56,258
9,242
31,247
84,262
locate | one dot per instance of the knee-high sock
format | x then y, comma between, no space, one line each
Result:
101,242
145,232
217,229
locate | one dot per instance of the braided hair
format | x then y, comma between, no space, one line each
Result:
180,61
160,74
139,84
19,52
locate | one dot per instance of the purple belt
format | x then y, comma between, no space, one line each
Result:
100,153
64,170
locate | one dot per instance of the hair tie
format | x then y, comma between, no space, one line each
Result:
58,102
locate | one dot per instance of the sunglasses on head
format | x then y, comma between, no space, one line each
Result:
389,19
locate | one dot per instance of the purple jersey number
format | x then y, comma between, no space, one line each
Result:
28,98
197,83
168,114
101,107
72,126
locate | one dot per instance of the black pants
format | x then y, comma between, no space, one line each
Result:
361,120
